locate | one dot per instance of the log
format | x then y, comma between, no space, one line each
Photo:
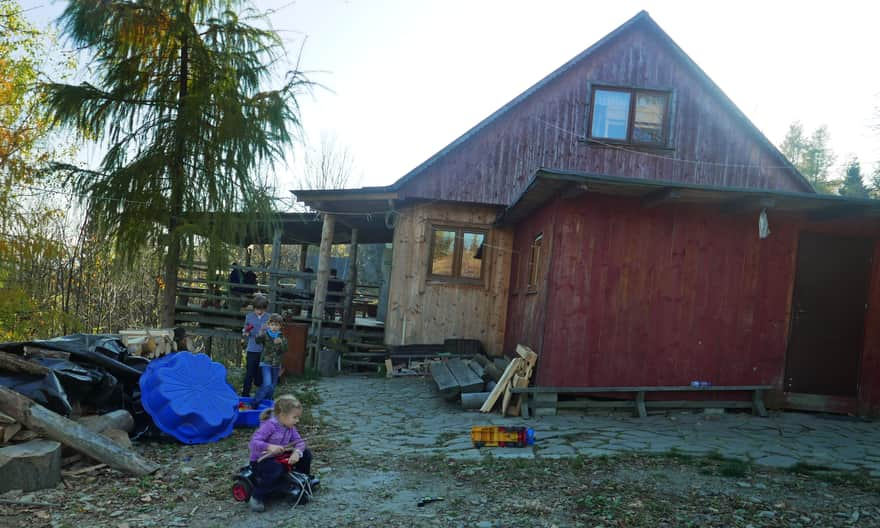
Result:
489,369
37,352
98,423
36,417
118,436
7,431
473,400
30,466
12,363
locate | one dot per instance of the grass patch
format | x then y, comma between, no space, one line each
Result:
859,479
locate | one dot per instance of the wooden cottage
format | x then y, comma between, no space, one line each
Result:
624,219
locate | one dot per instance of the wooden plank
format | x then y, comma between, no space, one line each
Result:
467,380
477,368
518,382
528,354
447,384
501,386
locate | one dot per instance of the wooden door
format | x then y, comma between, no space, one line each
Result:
828,314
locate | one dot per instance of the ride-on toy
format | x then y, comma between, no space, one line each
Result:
300,487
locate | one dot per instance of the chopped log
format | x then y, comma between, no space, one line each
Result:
120,419
118,436
37,352
7,431
6,419
528,354
502,384
501,363
473,400
30,466
23,435
34,416
489,368
12,363
467,380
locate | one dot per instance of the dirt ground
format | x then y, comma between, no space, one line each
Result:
193,489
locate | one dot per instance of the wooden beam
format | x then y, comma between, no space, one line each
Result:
661,196
747,204
273,270
321,286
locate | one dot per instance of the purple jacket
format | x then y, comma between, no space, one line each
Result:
272,432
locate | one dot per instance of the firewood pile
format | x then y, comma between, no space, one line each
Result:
66,409
481,382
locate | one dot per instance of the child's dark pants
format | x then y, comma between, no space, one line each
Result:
251,372
269,475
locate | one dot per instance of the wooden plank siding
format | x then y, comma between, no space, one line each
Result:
666,295
547,129
435,310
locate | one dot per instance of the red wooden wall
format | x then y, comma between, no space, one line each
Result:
494,164
663,296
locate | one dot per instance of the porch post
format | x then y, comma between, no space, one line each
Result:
273,270
321,286
350,284
303,254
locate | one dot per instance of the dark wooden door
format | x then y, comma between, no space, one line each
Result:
828,314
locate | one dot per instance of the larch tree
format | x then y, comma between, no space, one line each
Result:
180,107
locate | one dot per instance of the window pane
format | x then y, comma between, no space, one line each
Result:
650,113
535,262
470,264
610,114
443,253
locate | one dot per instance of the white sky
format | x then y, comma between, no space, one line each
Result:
410,76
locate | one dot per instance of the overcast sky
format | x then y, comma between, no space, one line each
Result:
406,77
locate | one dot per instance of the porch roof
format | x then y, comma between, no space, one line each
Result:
547,184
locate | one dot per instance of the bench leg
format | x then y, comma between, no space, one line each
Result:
758,403
640,405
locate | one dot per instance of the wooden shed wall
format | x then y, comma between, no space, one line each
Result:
672,294
433,310
544,130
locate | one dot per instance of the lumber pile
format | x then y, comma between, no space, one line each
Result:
517,374
148,342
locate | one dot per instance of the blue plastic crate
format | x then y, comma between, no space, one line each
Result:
251,418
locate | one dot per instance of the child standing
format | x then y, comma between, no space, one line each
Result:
274,346
253,323
277,434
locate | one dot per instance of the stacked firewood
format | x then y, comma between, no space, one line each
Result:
517,375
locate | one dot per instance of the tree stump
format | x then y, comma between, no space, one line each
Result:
30,466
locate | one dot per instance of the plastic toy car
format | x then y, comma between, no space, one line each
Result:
300,486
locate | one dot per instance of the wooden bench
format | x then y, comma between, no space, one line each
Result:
549,398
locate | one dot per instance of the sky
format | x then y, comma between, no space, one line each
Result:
401,79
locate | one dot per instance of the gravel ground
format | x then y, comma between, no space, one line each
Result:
673,490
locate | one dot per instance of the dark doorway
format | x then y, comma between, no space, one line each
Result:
828,314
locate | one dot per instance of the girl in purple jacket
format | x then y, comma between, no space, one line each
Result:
277,434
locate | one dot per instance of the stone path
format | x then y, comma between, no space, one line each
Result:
405,416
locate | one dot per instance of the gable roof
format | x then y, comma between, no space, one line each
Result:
640,19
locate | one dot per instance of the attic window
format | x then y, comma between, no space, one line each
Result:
625,115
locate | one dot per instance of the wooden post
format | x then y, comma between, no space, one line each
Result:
350,285
34,416
303,256
273,270
321,286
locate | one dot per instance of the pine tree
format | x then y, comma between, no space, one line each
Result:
852,181
180,107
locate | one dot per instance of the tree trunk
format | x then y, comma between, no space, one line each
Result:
38,418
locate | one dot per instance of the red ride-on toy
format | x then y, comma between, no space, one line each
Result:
300,487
